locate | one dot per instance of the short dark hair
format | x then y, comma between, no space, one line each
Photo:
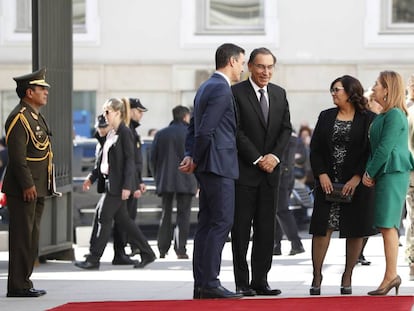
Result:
262,50
225,52
353,88
179,112
21,90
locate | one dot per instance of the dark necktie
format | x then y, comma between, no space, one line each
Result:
263,104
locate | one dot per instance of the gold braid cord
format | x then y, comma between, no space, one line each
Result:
38,144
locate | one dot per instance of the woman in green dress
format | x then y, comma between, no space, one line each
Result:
388,169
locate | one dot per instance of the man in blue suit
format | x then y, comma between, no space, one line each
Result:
211,152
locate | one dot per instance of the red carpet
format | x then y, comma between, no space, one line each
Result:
351,303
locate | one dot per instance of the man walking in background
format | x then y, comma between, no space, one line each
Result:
167,152
285,219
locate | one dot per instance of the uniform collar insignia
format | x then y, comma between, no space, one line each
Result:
35,116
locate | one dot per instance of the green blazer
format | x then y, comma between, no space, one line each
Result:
389,144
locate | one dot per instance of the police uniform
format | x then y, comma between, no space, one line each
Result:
30,164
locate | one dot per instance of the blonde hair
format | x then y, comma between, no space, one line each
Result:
393,82
410,88
411,81
121,105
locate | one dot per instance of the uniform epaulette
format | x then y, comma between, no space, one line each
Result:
22,110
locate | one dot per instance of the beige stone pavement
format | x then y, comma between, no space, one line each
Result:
171,278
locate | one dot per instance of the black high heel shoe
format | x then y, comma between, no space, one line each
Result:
315,290
383,291
345,290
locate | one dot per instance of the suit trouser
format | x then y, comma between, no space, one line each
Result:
409,234
255,206
24,226
166,232
95,224
215,218
285,221
120,236
114,208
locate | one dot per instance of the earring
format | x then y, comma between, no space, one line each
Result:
385,98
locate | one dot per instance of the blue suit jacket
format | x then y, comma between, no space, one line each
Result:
211,137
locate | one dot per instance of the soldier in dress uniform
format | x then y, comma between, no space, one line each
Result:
27,180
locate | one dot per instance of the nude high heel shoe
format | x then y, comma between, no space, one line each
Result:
383,291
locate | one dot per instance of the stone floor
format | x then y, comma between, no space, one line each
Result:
171,278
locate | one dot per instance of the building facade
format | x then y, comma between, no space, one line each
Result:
160,51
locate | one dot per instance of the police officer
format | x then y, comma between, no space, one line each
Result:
27,180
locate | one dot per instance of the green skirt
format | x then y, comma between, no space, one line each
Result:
390,192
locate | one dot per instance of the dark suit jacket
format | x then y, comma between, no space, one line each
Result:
254,137
211,134
121,162
166,155
355,218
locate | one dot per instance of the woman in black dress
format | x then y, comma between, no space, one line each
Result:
338,152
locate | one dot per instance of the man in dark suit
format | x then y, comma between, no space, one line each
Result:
285,219
211,151
167,152
26,182
263,133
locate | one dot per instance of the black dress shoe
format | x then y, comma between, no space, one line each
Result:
245,291
31,292
40,291
144,262
296,250
277,251
182,256
266,291
123,260
87,265
162,255
218,292
361,260
197,293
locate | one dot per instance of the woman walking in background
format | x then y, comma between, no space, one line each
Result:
117,166
388,169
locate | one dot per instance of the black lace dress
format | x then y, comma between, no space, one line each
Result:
340,141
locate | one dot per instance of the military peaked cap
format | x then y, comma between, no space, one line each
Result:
34,78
